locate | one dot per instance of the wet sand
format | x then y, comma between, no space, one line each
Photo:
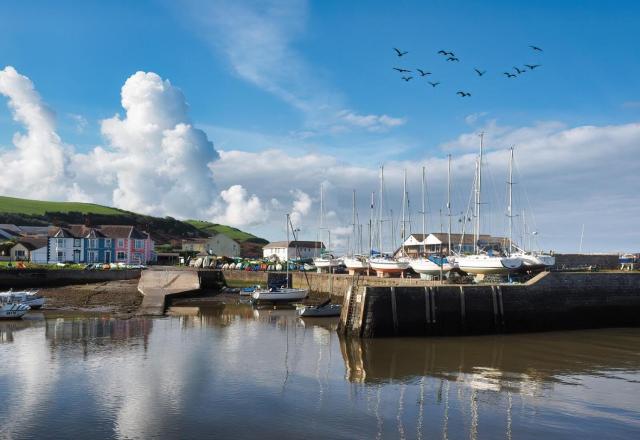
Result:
118,298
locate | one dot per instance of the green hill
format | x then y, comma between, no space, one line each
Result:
164,230
12,205
234,233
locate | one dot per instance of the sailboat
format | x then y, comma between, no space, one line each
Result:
355,262
485,262
276,293
326,260
386,264
422,264
532,261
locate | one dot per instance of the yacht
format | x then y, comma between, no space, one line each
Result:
28,297
13,310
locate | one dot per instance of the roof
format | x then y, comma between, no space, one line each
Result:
122,231
294,244
101,231
443,237
33,243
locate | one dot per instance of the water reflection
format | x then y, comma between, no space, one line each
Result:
515,363
232,371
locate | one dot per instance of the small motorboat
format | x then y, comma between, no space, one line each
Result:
278,294
28,297
13,310
321,310
247,291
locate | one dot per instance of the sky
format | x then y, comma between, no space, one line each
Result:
237,111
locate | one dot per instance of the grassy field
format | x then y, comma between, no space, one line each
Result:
37,207
233,233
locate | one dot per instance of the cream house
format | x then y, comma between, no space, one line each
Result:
218,244
30,249
293,249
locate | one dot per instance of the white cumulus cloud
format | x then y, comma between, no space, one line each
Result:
38,164
155,160
300,207
240,209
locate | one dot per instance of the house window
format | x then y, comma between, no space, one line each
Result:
60,255
107,242
121,256
138,244
76,242
93,243
60,242
120,242
19,254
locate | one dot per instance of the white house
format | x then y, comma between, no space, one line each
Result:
293,249
64,247
218,244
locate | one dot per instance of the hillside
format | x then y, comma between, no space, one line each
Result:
164,230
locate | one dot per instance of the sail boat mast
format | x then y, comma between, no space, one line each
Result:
371,223
380,210
510,208
449,204
354,223
424,211
479,193
287,259
404,204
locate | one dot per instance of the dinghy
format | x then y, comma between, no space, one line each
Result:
13,310
321,310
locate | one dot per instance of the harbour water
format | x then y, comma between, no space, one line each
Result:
234,372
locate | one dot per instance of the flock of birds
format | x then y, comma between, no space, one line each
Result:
449,56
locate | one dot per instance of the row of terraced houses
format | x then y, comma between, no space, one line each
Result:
100,244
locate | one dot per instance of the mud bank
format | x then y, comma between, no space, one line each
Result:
119,298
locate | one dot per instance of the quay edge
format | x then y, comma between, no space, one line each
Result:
549,301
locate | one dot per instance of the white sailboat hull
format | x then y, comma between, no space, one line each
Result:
532,261
428,267
356,263
325,262
388,266
485,264
13,310
280,295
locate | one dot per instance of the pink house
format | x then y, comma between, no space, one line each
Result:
131,246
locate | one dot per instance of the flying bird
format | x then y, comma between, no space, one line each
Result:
399,52
445,53
452,58
401,70
532,66
433,84
509,75
463,94
536,48
407,78
518,71
480,72
423,73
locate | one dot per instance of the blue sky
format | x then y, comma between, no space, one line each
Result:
301,77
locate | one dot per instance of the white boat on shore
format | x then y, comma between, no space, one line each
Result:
326,261
532,261
428,267
356,262
28,297
13,310
388,265
488,264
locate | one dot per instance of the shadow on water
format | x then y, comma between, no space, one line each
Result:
493,362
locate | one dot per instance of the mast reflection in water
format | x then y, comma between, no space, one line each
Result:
232,371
